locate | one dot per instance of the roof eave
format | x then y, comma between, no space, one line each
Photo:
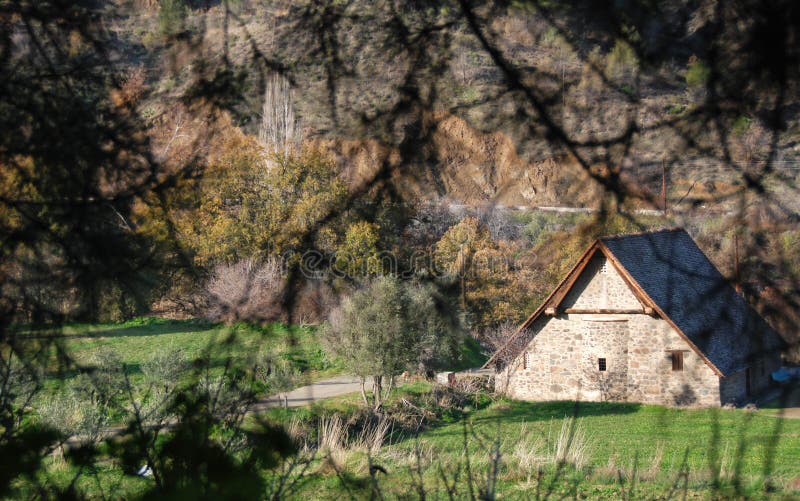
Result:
579,265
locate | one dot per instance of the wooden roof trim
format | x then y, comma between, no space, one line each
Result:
569,281
639,290
585,257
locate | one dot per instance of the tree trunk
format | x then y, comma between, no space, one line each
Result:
364,392
377,388
388,388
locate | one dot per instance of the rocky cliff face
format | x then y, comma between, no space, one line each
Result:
466,165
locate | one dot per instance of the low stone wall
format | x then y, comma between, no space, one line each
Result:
474,379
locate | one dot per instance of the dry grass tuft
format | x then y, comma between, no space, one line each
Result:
572,445
336,444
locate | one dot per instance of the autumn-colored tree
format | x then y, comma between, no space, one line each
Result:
456,249
358,255
248,206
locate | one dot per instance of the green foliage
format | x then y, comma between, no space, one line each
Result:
697,73
741,125
542,224
172,17
358,255
676,109
621,62
389,327
472,355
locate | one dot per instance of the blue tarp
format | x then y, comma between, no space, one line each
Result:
781,375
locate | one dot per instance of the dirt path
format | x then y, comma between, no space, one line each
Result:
333,387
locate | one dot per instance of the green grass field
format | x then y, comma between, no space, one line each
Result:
619,451
639,451
138,340
606,451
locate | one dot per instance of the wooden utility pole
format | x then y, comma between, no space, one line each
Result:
664,185
736,275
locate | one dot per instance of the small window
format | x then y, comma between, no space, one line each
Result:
604,267
677,361
527,361
601,364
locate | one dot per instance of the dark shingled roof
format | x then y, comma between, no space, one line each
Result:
694,295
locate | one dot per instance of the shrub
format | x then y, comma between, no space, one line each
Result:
171,17
248,290
313,303
697,73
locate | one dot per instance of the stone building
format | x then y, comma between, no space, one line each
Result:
641,318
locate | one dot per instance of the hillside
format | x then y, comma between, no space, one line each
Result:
474,146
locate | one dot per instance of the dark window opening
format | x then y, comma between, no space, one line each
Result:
601,364
677,360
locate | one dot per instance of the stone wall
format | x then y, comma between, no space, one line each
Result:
600,286
561,361
652,379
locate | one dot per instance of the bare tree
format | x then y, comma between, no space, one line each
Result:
496,338
248,290
278,131
499,223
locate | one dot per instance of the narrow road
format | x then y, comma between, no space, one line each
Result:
304,395
333,387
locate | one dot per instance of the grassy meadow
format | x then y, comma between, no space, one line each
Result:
438,438
562,449
434,439
138,340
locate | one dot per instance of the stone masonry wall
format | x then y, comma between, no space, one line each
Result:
652,379
561,361
600,286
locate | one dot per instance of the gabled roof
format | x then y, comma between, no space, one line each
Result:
670,274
